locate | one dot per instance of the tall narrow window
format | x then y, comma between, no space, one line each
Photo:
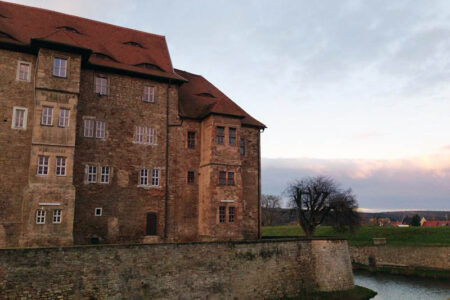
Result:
230,178
220,134
149,94
19,119
100,129
191,139
151,139
190,177
89,128
242,146
60,166
104,176
222,214
232,136
92,174
47,114
40,216
222,177
60,67
139,136
101,85
23,71
63,117
143,177
42,168
151,224
57,216
231,213
155,177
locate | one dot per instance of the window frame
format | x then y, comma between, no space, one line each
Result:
102,129
40,216
156,178
150,135
242,146
14,118
222,179
45,165
66,63
222,214
91,174
65,119
104,175
151,94
232,134
57,216
143,177
230,179
87,129
231,216
100,209
190,177
46,116
60,166
101,79
220,139
29,64
191,139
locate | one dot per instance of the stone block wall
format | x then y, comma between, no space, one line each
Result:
234,270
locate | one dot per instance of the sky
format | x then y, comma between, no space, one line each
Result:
355,90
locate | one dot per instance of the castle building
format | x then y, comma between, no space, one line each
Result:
103,141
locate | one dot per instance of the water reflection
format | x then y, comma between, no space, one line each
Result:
401,287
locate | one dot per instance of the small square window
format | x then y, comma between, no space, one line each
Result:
222,214
101,85
149,94
59,67
23,71
190,177
63,117
98,211
232,136
191,140
88,128
47,116
42,165
19,119
40,216
60,166
222,178
57,214
92,174
220,134
104,176
230,178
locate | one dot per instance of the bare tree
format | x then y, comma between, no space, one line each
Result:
318,199
270,205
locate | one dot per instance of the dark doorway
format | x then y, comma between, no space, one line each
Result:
151,224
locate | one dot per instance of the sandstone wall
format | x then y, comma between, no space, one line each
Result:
411,256
239,270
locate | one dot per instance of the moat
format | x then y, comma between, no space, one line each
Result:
402,287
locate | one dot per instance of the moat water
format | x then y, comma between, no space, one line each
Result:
402,287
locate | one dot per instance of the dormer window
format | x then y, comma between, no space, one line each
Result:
206,95
149,66
7,36
135,44
102,56
68,28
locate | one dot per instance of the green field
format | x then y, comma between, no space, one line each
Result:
433,236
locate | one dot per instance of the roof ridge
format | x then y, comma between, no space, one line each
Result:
82,18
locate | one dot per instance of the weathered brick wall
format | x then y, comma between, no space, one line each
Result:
255,270
411,256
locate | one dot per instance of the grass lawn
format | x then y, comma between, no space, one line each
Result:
402,236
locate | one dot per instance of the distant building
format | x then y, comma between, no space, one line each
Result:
436,223
423,220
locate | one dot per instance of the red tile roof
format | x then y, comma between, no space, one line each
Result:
436,223
19,24
200,98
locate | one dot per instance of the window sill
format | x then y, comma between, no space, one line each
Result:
59,77
60,175
42,175
149,187
18,128
51,125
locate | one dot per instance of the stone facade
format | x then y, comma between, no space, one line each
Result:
218,270
120,209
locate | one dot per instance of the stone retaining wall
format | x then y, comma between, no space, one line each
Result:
235,270
408,256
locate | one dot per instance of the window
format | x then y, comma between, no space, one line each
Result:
222,212
100,129
19,119
60,67
242,146
232,136
155,177
191,140
143,177
40,216
230,178
57,216
151,140
98,211
231,212
60,166
220,132
89,128
92,174
47,114
63,117
42,165
151,224
222,178
139,137
149,94
101,85
23,71
104,176
190,177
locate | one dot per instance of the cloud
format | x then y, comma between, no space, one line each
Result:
421,182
